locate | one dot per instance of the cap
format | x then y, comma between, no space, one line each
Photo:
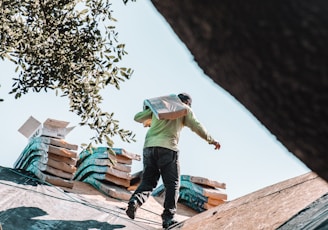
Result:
185,98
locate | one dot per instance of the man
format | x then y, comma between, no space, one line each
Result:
160,158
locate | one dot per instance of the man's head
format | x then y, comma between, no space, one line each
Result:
185,98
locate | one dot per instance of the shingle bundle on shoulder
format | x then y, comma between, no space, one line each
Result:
198,193
47,155
108,170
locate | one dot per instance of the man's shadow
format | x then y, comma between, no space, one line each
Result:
22,218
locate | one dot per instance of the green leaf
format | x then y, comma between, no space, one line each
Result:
70,47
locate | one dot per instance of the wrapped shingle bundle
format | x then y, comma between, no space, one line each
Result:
108,170
198,193
51,160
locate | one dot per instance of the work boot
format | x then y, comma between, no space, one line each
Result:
132,208
169,222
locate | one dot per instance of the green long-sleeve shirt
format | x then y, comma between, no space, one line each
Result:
166,133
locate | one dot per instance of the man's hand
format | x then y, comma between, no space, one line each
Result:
217,145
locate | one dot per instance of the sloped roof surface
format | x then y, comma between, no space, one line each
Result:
314,216
25,204
267,208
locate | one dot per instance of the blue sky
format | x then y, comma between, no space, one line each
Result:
250,157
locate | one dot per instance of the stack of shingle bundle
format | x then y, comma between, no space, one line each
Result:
198,193
47,155
108,170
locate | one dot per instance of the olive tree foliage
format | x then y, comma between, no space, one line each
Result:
69,46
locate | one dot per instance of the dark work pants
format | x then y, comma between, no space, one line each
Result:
158,162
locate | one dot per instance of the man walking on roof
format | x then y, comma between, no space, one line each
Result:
161,158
